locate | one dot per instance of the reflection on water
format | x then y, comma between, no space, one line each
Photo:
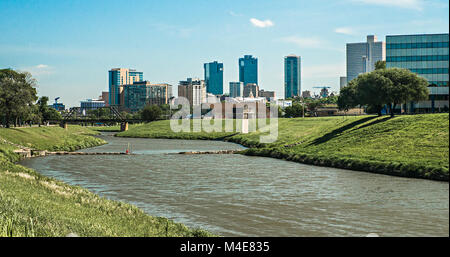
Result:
235,195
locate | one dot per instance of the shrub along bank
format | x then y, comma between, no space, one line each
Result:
410,146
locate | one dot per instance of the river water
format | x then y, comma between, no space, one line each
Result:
236,195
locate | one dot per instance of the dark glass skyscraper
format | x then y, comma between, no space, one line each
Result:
214,78
292,76
248,70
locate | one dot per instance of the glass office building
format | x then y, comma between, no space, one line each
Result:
214,78
292,76
248,70
361,57
427,55
119,77
236,89
139,94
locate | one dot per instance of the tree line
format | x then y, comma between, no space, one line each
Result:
19,103
383,87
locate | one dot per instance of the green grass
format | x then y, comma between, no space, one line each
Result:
411,146
35,205
52,138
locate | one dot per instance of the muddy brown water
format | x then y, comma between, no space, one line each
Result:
236,195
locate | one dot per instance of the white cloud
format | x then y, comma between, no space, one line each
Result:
41,66
344,30
39,70
407,4
260,23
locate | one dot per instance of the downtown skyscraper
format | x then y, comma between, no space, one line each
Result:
214,77
248,70
361,57
117,78
292,76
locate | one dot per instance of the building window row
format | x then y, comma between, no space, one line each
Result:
439,83
438,97
430,71
417,45
417,58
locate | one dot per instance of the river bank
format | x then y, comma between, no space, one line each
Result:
35,205
415,146
241,195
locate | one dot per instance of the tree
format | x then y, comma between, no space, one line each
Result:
17,95
347,98
390,87
405,87
294,111
371,90
151,113
47,113
380,65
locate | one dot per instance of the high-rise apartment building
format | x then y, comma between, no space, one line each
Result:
428,56
236,89
292,76
361,57
194,90
248,70
119,77
214,78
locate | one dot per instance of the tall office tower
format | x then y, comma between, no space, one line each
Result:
194,90
214,78
236,89
426,55
342,82
119,77
361,57
292,76
248,70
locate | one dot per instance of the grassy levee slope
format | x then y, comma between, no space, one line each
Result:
410,146
35,205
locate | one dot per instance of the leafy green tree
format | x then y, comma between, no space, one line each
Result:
381,87
380,65
294,111
313,105
347,98
47,113
151,113
372,91
17,95
405,87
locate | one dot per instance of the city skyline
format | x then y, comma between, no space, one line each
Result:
88,39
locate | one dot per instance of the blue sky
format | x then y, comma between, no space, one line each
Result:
70,45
